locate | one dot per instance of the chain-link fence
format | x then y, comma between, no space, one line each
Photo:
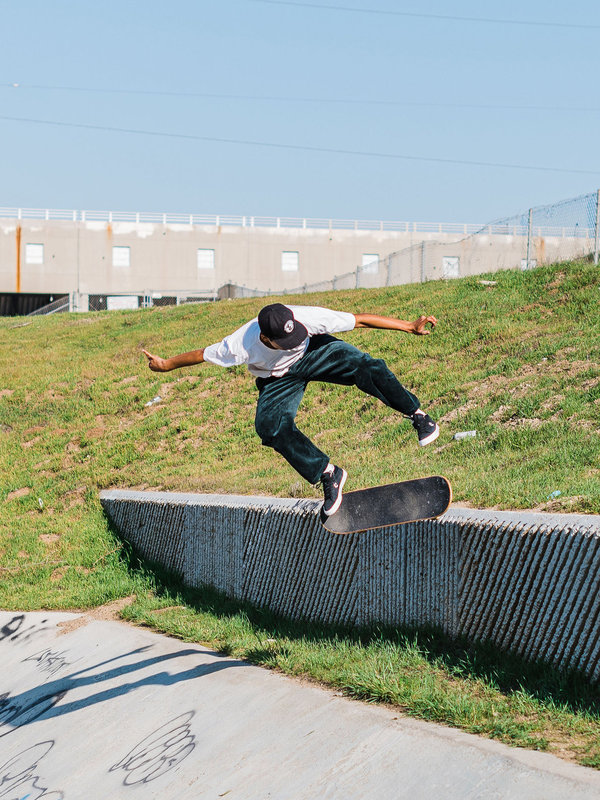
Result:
119,301
116,301
546,234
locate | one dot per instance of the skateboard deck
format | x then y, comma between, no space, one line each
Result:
392,504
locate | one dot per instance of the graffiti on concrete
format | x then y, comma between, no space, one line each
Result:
159,752
49,662
13,713
19,776
14,630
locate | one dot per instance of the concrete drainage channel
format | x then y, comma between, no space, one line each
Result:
528,582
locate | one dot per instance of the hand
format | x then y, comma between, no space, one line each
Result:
420,325
156,363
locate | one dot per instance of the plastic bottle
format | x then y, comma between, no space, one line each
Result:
465,435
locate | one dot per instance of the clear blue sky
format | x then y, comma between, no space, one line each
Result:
456,82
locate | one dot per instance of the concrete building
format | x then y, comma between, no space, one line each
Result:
109,259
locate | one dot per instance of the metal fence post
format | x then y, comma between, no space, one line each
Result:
597,233
529,237
423,262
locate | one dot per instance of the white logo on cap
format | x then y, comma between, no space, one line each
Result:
289,326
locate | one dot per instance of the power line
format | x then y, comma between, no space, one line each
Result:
289,99
421,15
297,147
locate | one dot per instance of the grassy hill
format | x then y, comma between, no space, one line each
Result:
518,361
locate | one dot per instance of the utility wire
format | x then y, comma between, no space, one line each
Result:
298,147
282,99
421,15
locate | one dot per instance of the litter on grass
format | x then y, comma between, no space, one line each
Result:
465,435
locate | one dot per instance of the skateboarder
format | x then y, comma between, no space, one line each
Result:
285,347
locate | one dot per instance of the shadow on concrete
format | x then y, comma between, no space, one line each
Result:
43,700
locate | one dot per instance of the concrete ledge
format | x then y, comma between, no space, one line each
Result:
528,582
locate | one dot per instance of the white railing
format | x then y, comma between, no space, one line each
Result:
561,220
216,220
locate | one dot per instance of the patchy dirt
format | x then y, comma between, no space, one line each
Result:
462,411
558,280
158,611
49,538
109,611
520,385
504,416
543,310
95,433
76,497
18,493
563,505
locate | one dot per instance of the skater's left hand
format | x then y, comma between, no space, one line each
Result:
420,325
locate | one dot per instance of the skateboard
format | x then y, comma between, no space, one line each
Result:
392,504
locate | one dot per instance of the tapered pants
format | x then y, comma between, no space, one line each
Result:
333,361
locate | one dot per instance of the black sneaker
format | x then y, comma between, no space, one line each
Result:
427,430
333,483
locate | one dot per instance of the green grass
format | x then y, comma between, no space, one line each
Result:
518,362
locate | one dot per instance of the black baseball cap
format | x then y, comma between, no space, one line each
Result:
278,324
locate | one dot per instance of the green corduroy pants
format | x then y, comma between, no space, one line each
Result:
333,361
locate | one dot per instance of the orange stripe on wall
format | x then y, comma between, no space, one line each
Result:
18,258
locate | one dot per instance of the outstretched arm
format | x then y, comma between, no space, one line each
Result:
418,327
158,364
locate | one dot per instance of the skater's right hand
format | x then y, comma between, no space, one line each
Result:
156,363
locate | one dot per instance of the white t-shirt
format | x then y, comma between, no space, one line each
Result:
244,346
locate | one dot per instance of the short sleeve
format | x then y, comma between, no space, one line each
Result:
227,353
324,320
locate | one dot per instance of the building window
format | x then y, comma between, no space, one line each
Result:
34,253
450,266
370,262
290,261
121,256
206,259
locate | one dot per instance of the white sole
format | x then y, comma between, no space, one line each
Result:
431,438
338,502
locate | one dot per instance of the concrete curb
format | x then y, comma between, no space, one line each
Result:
528,582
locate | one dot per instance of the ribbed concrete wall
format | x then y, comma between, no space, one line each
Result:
528,582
